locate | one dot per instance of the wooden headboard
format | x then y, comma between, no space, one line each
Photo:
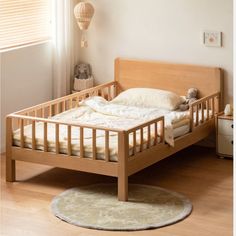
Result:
173,77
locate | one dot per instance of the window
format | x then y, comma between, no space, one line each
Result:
23,22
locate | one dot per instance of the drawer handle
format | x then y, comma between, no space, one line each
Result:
232,126
232,142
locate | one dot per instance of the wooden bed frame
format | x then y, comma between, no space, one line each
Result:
128,74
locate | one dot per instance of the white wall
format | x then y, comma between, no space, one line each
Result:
26,79
167,30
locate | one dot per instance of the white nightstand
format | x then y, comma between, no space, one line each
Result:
224,135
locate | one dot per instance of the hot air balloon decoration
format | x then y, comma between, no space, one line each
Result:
84,12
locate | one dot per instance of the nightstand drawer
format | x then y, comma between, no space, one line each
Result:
225,144
225,127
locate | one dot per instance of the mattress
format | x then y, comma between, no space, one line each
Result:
97,111
75,147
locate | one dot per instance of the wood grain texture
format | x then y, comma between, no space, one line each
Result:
69,151
65,161
33,135
107,149
173,77
195,172
94,139
123,153
10,163
45,136
161,151
57,138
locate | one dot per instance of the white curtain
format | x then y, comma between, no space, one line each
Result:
63,46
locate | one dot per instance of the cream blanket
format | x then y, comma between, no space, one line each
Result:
97,111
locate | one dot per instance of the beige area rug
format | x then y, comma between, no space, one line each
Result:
97,207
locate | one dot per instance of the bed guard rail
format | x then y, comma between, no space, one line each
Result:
154,130
22,121
151,134
204,109
56,106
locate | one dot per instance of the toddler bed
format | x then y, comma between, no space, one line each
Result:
93,131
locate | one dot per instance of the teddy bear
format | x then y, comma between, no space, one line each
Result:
190,98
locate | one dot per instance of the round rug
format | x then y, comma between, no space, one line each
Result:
97,207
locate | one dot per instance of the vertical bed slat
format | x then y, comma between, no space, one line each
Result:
162,131
148,136
197,115
114,90
69,140
107,153
57,138
63,106
208,108
76,102
81,142
134,142
22,142
50,111
70,103
102,93
45,134
213,106
155,134
141,139
191,118
18,123
94,144
56,108
33,135
26,121
202,111
217,105
109,93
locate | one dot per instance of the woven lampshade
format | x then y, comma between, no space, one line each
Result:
83,13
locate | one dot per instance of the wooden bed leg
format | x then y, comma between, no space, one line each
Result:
10,164
10,169
122,166
123,188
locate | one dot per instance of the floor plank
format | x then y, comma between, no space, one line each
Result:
195,172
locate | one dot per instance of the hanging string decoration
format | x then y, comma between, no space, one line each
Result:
84,12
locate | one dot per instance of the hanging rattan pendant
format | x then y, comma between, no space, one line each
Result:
84,12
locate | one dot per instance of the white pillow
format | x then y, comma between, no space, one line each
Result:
148,97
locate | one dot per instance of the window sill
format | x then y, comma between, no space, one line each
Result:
24,46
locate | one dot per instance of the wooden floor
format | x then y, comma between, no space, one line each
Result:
195,172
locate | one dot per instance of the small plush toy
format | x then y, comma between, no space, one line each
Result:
82,71
83,77
190,98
